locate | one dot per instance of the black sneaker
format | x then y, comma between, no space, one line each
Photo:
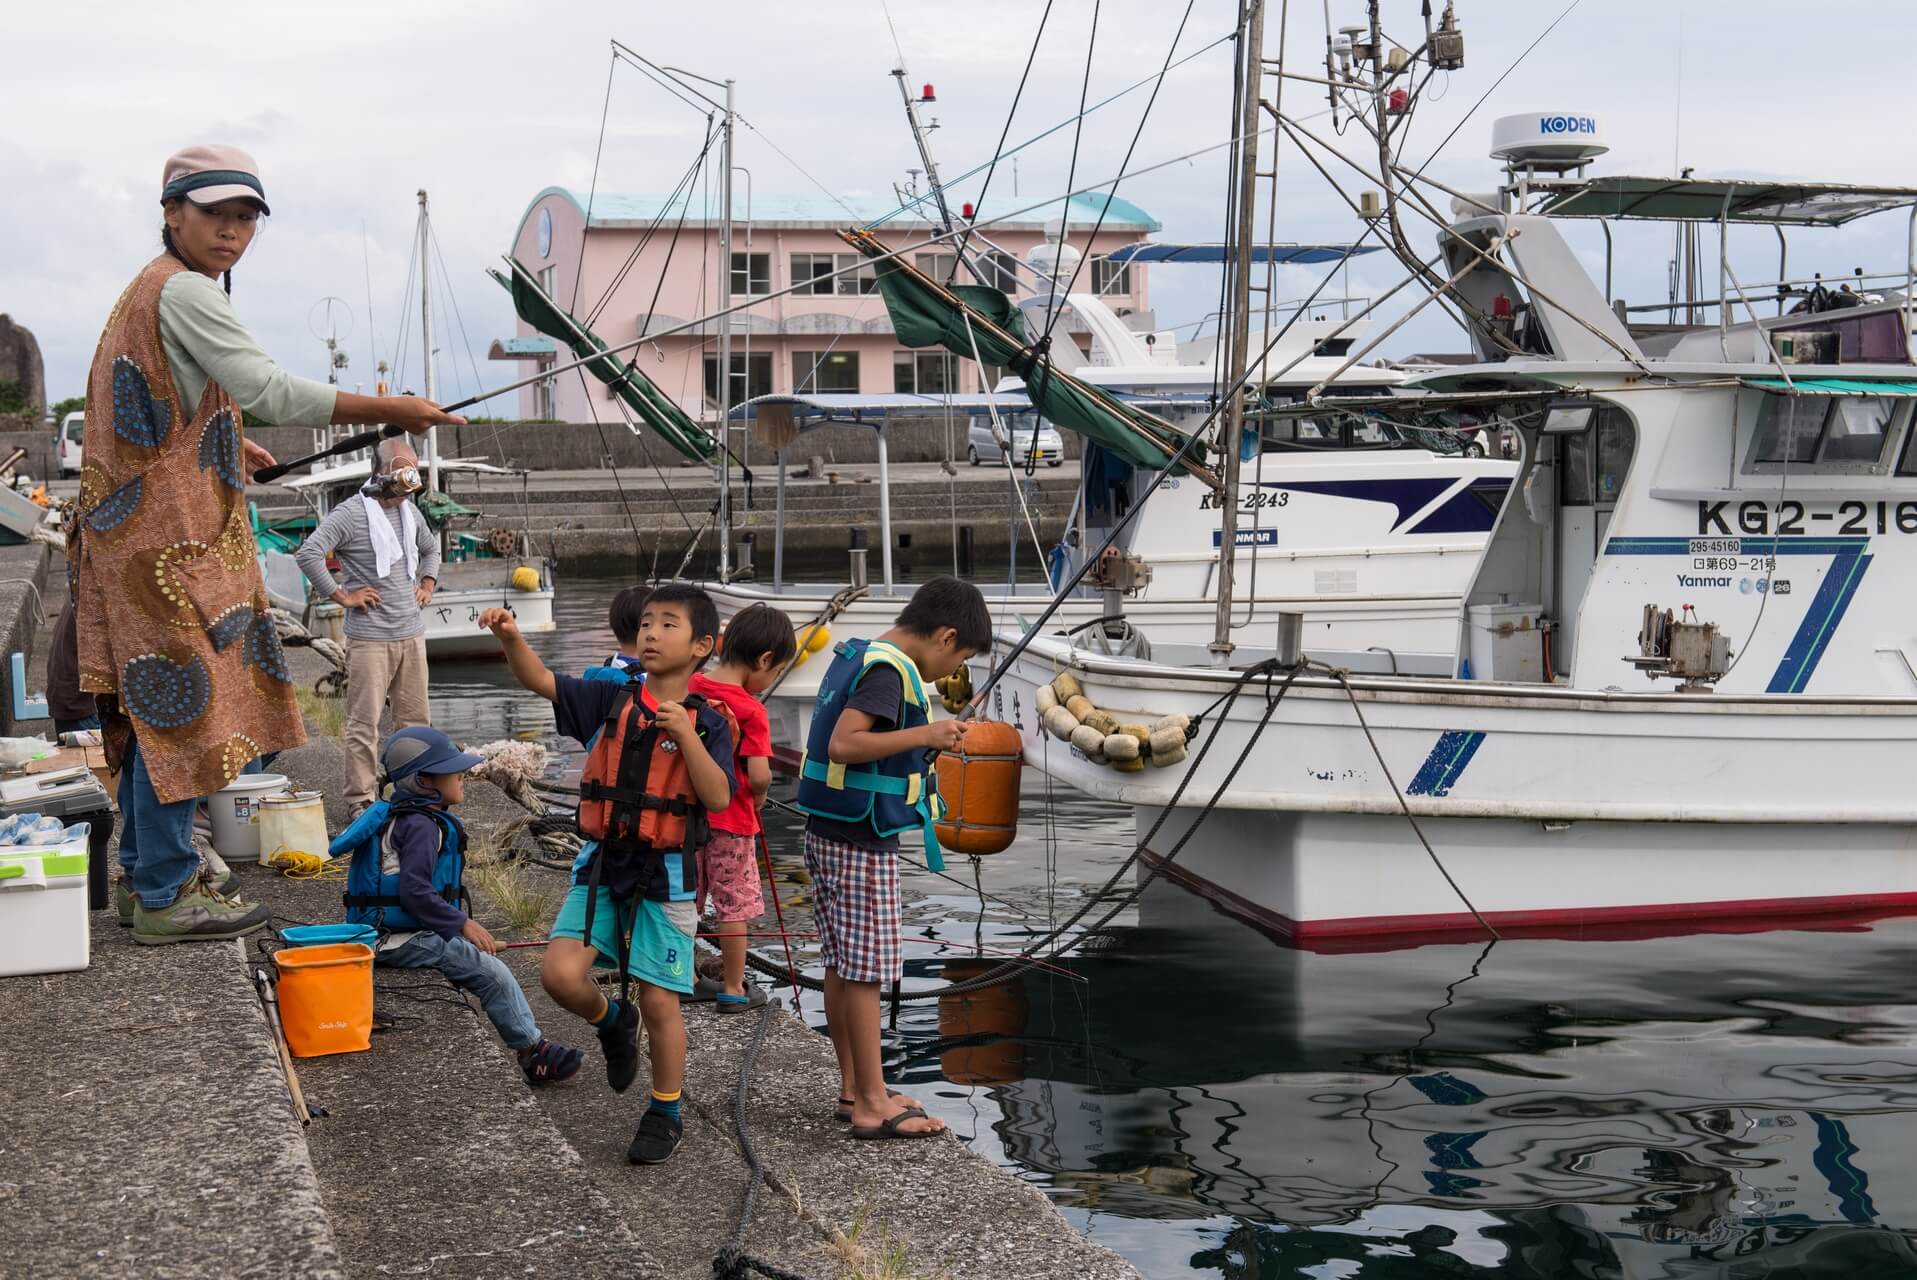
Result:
657,1139
549,1063
621,1044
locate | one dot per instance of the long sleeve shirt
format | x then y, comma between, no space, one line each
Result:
203,338
345,533
415,839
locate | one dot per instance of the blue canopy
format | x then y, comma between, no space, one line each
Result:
1298,253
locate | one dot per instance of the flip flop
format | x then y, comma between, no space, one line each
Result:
844,1113
888,1130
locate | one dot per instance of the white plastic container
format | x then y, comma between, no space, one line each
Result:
293,821
43,910
236,814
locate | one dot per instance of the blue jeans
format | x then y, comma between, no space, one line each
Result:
156,840
470,969
74,726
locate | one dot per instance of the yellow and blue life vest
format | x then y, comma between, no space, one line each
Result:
897,793
372,881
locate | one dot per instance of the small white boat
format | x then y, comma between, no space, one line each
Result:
465,588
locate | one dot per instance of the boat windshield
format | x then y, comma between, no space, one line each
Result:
1337,430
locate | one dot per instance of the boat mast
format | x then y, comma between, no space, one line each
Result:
1251,79
725,338
426,342
925,151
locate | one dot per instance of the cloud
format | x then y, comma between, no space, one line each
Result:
353,106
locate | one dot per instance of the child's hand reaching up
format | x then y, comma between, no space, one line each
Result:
477,934
500,622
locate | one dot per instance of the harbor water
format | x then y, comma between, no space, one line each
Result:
1209,1102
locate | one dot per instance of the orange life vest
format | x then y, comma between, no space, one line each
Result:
637,798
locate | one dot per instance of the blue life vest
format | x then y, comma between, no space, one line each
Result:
898,793
372,891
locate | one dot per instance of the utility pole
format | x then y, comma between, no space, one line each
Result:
725,341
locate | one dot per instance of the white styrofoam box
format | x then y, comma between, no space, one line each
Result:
43,909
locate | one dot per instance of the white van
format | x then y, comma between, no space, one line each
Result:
66,444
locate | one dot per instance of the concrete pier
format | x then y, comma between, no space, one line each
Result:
149,1132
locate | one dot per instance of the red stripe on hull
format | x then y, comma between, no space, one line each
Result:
1596,924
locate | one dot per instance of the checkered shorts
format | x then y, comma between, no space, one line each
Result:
855,894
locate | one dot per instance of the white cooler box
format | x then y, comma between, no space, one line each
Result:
43,908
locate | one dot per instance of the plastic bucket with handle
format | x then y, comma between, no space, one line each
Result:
292,822
236,814
326,998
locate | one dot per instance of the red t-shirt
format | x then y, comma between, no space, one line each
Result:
755,740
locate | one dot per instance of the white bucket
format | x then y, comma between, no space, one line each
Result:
236,814
295,821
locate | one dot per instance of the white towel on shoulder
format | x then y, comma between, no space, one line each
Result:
386,546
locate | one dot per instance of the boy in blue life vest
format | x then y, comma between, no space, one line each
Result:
659,763
409,856
622,618
867,776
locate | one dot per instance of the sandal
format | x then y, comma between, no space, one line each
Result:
844,1114
887,1130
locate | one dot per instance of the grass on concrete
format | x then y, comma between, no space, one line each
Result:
880,1259
516,894
326,715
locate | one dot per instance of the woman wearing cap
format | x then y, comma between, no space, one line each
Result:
175,641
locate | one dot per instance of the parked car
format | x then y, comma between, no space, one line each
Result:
981,446
66,443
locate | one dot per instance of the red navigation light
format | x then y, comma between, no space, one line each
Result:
928,95
1501,307
1397,102
965,211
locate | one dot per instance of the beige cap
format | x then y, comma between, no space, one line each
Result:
210,173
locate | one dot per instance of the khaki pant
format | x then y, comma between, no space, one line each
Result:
377,670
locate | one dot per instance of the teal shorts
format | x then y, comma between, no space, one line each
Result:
661,952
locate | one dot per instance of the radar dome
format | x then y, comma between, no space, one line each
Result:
1548,139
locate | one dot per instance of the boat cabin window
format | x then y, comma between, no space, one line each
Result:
1593,461
1333,431
1820,433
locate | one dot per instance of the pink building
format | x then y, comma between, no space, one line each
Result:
624,275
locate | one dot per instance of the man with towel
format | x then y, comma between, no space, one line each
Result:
391,559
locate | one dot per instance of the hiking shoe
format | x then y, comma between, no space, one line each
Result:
621,1044
198,914
657,1139
549,1063
123,901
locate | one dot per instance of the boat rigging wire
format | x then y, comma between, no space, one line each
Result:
998,150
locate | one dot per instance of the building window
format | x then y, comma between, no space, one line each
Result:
813,274
1110,277
825,371
751,273
942,267
549,280
925,373
1000,270
751,377
543,400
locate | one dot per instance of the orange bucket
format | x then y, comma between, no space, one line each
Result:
978,781
326,998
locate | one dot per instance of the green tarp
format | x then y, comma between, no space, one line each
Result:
651,405
927,314
1838,386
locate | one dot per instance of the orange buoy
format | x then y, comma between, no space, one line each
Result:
978,781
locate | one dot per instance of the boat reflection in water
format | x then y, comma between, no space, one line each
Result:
1707,1105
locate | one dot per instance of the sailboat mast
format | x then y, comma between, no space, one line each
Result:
725,340
426,341
1251,53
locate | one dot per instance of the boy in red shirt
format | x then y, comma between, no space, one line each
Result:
758,644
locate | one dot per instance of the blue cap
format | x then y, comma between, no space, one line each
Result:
423,749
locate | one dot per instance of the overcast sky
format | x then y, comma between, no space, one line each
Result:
352,106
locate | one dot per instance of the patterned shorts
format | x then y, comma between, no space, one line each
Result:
855,894
729,876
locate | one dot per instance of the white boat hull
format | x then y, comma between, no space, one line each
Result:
1551,809
468,589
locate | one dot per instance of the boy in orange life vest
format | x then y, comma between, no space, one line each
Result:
758,645
643,878
875,731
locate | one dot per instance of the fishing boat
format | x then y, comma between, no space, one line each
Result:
1685,674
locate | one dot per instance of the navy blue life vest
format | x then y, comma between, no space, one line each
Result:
897,793
372,892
